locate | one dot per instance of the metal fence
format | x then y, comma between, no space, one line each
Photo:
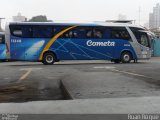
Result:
156,47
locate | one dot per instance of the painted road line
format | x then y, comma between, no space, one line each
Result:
33,69
130,73
125,72
104,67
29,70
24,76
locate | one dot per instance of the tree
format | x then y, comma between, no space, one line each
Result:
39,18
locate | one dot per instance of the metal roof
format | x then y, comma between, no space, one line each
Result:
81,24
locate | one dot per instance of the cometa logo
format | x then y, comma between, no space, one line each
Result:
108,43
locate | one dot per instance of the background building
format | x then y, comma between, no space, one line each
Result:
154,20
19,18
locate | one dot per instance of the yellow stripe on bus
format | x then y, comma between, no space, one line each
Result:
46,48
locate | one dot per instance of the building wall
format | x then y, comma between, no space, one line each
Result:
19,18
154,18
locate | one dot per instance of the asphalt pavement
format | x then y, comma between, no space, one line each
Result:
22,82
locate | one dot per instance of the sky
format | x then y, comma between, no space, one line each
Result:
79,10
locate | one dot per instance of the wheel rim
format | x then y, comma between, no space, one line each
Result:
126,58
49,58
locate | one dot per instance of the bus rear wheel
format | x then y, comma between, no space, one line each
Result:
48,59
126,57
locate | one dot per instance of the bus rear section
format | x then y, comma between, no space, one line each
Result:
2,47
50,42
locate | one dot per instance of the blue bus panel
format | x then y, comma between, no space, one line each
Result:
70,49
2,47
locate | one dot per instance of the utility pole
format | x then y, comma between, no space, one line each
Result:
0,24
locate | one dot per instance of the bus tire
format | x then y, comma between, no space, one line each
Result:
126,57
48,58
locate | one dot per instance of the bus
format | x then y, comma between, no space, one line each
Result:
51,42
2,47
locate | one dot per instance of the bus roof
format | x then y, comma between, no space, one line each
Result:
81,24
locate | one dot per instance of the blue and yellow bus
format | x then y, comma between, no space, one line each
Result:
52,42
2,47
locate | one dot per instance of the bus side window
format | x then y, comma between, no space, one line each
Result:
98,33
16,31
21,31
120,33
107,33
142,37
42,32
1,39
144,40
27,31
89,34
81,33
70,34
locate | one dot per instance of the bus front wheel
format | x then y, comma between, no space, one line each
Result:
48,58
126,57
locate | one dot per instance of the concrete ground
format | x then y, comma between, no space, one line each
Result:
141,105
109,87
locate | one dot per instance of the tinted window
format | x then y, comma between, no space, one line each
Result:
2,39
107,33
134,29
120,33
21,31
70,34
16,31
42,32
84,32
141,37
79,33
28,31
144,40
58,29
95,32
89,32
98,33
